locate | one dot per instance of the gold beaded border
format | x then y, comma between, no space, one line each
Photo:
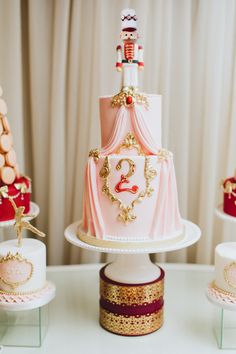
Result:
224,292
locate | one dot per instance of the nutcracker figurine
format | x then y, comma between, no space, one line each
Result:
129,54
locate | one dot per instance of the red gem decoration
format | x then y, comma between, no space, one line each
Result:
119,189
129,100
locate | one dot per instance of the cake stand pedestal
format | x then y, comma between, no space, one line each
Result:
131,287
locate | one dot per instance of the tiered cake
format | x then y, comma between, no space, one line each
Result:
12,183
130,204
130,194
229,189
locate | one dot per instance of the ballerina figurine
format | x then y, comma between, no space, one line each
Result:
21,224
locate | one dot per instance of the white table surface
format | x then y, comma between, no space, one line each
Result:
74,326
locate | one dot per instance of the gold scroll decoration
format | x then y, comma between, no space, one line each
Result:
17,268
128,96
130,143
230,274
127,211
95,153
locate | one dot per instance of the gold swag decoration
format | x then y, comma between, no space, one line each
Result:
127,97
127,211
95,153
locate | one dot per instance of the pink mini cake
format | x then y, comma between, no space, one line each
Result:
130,194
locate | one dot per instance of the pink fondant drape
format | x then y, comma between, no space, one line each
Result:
140,129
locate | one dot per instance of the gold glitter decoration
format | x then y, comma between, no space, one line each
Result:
129,92
130,143
17,257
227,269
163,155
126,211
95,153
21,224
130,295
131,325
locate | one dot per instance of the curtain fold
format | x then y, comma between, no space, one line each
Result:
57,57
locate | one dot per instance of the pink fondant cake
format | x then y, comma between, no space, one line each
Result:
130,194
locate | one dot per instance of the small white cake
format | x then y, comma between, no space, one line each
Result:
225,267
22,269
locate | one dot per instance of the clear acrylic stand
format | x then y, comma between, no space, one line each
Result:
24,328
225,328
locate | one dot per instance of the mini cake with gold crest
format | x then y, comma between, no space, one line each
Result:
22,262
130,193
223,288
12,183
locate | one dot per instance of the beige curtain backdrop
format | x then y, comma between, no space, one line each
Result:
57,57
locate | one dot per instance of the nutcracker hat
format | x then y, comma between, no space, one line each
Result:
129,20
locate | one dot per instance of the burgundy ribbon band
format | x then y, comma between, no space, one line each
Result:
133,310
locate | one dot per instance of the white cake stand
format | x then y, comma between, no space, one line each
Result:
28,301
133,266
222,215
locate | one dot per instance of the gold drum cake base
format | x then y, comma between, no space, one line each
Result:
131,309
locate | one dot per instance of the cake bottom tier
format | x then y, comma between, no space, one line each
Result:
131,309
131,199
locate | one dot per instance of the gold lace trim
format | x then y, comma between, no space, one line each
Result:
130,295
132,325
